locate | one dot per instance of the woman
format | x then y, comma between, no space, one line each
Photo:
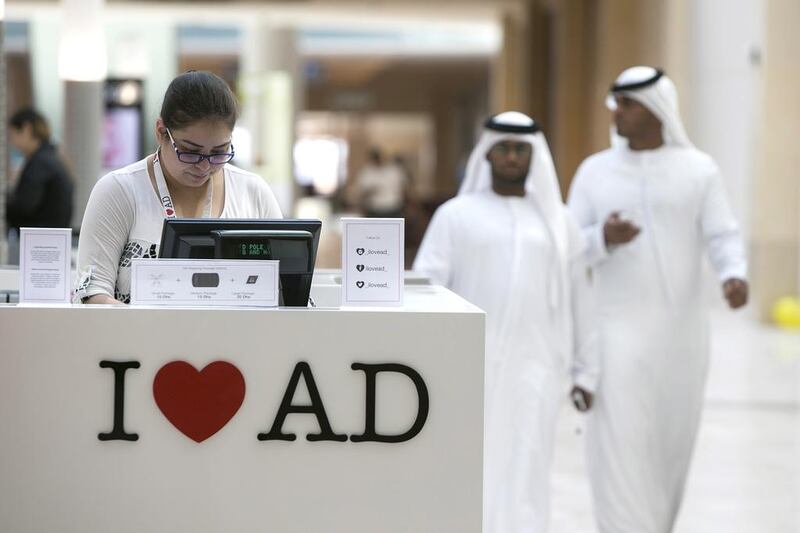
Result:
187,177
43,194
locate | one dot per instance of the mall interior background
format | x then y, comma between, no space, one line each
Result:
322,81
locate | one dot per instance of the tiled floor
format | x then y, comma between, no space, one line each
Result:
746,472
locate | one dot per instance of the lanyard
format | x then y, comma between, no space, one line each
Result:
166,199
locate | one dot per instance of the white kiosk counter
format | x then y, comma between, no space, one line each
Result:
134,419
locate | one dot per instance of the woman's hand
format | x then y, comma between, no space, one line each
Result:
101,299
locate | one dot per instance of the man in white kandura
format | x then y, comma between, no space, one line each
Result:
507,244
652,206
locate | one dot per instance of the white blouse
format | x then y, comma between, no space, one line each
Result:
124,217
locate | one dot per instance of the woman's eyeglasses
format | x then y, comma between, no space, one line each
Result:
194,158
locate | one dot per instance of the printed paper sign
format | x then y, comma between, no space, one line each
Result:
192,282
372,261
44,265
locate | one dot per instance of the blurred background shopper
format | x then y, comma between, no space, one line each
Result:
651,207
507,244
42,195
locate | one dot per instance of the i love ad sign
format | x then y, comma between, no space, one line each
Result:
207,420
200,403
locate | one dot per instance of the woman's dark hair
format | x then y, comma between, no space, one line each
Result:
196,96
39,126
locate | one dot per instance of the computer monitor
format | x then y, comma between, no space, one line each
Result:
292,242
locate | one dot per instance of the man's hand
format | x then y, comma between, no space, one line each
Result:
735,291
582,399
619,231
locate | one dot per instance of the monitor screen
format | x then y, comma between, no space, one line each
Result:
292,242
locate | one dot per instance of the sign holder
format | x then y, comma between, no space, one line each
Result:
44,265
373,262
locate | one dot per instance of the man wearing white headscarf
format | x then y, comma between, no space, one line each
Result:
651,207
507,244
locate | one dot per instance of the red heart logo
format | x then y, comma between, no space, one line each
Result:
198,403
